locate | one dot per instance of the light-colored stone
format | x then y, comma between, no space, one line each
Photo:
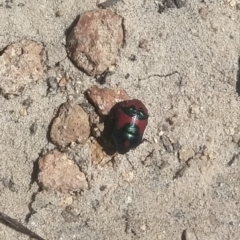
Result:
70,125
104,98
185,153
59,173
94,42
20,64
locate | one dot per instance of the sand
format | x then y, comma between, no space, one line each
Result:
186,77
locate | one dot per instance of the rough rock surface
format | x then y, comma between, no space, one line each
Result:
70,125
59,173
94,42
20,64
104,98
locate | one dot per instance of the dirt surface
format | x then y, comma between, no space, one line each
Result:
185,71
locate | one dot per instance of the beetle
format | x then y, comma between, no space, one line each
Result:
131,119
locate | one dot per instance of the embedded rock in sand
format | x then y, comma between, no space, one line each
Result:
70,125
59,173
20,64
104,98
94,41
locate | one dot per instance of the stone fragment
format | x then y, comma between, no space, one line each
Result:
94,41
189,234
212,155
59,173
194,109
20,64
97,153
232,3
203,11
23,112
104,98
128,176
185,153
70,125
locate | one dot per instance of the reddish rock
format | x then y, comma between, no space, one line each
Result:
104,98
70,125
20,64
94,42
59,173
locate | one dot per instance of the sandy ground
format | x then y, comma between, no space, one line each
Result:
198,107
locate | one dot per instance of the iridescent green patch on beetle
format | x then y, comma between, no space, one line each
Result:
133,112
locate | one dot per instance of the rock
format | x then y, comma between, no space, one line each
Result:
194,109
212,155
203,11
232,3
20,64
104,98
94,41
59,173
97,153
70,125
128,176
189,234
185,153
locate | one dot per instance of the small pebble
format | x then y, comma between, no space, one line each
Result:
62,83
66,201
189,234
21,63
185,153
194,109
129,200
23,112
233,3
212,155
203,11
128,176
143,228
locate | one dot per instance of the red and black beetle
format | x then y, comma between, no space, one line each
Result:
131,118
